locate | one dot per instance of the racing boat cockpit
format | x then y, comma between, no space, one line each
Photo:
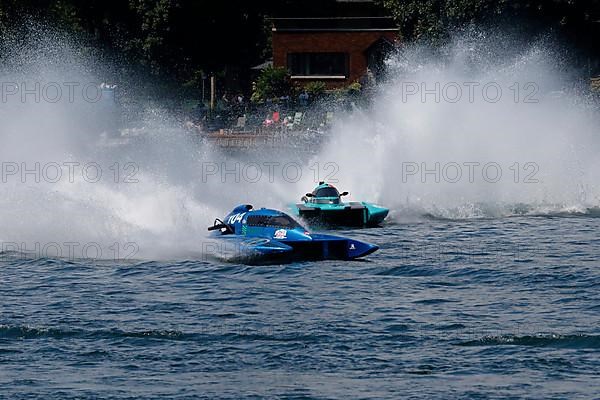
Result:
324,194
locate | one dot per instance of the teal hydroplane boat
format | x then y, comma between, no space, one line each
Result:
324,207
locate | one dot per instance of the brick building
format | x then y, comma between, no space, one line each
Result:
337,48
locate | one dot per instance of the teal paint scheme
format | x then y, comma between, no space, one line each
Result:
324,207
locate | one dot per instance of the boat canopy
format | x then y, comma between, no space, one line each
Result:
328,191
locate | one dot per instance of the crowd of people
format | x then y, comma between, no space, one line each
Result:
236,112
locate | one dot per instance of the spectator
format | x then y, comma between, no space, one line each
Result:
303,98
287,121
225,98
367,81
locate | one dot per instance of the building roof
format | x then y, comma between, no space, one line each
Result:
264,65
334,24
329,9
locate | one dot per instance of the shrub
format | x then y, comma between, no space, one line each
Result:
272,83
316,88
354,88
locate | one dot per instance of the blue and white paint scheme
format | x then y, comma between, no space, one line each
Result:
272,233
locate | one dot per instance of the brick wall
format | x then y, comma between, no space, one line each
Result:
353,43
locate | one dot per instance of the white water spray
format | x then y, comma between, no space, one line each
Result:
473,133
154,192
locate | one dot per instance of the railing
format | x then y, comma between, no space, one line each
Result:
234,139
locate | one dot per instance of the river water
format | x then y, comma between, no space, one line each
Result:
479,308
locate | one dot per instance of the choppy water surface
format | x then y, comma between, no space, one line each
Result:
489,308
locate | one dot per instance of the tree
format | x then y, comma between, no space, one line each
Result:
438,18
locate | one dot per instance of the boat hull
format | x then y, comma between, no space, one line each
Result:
342,215
317,247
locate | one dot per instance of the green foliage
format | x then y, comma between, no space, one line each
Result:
170,39
315,88
347,92
2,17
435,19
354,88
154,24
67,13
173,39
272,83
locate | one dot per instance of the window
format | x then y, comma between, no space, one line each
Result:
272,221
318,64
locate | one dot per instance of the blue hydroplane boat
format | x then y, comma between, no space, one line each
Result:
267,233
